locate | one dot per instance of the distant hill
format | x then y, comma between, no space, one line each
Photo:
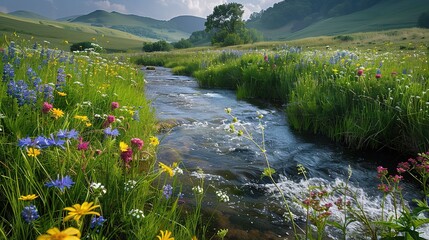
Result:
62,34
68,19
28,14
173,30
294,19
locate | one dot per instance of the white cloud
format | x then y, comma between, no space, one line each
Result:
108,6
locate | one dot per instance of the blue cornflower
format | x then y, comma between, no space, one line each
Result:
97,221
42,142
25,142
56,142
29,213
72,134
61,79
168,191
111,132
65,182
8,72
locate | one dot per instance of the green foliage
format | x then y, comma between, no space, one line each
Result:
88,94
423,20
159,46
344,38
183,43
86,46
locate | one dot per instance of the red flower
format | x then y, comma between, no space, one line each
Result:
137,142
46,107
360,72
114,105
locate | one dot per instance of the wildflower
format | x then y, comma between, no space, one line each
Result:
33,152
46,108
62,94
137,213
65,182
127,157
222,196
384,188
25,142
110,119
61,79
378,74
360,72
137,142
114,105
123,146
30,197
97,222
153,141
77,211
111,132
29,213
70,233
198,189
228,110
57,113
222,233
166,168
381,171
98,189
167,191
130,184
82,145
165,235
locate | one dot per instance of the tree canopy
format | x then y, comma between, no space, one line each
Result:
226,26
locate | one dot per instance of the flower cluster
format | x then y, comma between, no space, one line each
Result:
61,183
97,189
129,185
42,142
30,213
223,197
136,213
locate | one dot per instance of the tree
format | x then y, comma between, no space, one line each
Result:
161,45
225,20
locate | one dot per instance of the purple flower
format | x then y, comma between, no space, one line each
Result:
61,183
97,221
25,142
61,79
29,213
8,72
168,191
109,132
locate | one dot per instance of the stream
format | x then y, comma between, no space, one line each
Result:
200,140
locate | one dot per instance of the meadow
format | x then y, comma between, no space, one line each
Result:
367,92
79,151
79,147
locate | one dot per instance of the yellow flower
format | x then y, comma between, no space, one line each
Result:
82,118
33,152
88,124
123,146
166,168
28,197
62,94
57,113
70,233
153,141
194,238
165,235
68,76
78,211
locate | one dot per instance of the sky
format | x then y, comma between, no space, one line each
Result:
157,9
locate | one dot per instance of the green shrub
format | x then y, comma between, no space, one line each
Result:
160,46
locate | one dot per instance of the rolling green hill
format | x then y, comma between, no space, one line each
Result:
27,14
171,31
59,32
384,15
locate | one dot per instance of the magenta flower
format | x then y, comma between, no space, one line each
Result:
46,107
114,105
111,118
127,157
137,142
360,72
82,145
381,171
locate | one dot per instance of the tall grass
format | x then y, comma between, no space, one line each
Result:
77,129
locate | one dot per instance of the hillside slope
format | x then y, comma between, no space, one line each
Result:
385,15
173,30
59,32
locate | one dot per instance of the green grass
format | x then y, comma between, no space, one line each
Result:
57,32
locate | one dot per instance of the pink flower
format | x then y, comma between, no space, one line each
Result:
46,107
360,72
396,178
378,75
137,142
82,145
381,171
111,118
114,105
127,157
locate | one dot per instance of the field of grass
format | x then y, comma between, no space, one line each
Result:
58,32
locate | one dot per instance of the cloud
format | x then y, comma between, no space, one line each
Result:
201,7
108,6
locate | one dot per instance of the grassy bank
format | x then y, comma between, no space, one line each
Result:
371,93
78,152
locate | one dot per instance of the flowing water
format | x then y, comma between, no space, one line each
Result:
234,165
